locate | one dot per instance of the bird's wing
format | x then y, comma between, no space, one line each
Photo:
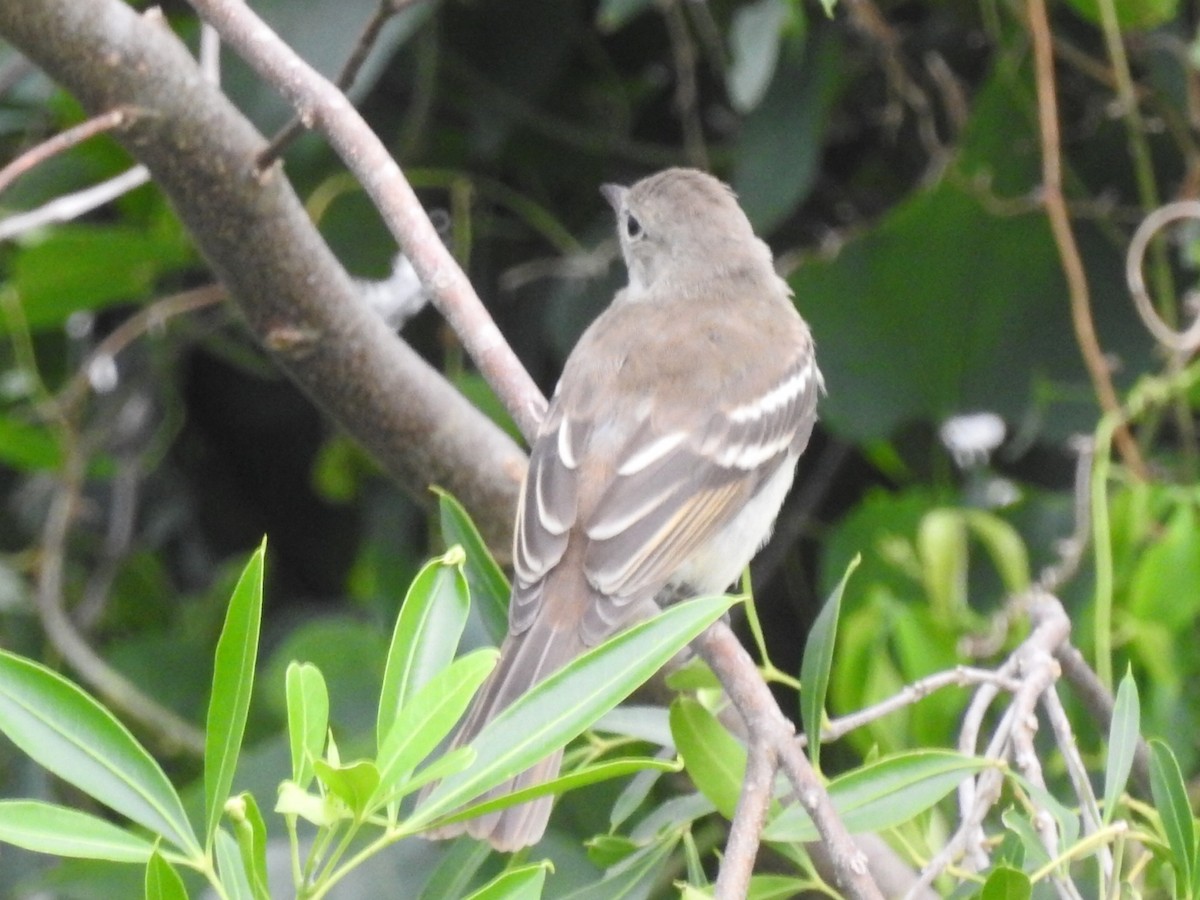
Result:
673,493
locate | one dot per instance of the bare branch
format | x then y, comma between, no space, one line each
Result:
65,140
1188,340
386,10
320,103
766,725
172,733
255,233
1064,237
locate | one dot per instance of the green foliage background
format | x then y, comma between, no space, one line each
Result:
895,172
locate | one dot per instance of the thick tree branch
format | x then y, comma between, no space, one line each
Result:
322,105
254,232
767,728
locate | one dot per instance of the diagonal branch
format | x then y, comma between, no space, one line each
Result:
251,227
324,107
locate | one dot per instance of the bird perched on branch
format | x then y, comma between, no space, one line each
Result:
665,455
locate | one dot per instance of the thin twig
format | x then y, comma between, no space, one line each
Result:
959,676
1032,663
345,79
749,819
71,206
171,732
64,140
1064,237
687,92
766,724
1186,341
1099,702
318,100
146,319
1064,736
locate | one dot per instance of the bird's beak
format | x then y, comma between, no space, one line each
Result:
614,194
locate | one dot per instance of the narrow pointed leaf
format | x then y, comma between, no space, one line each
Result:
450,763
632,877
1171,801
64,730
1004,545
353,783
882,794
62,831
162,881
1122,743
489,587
293,800
522,883
308,718
571,700
712,756
1065,819
231,868
456,870
1006,883
251,833
817,663
593,774
776,887
233,682
426,635
429,716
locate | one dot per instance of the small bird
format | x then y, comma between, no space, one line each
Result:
665,455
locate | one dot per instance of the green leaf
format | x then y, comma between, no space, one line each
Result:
561,707
817,662
776,887
1004,545
107,265
162,881
489,587
251,833
577,778
882,794
308,718
1160,592
1028,840
456,870
633,877
426,635
353,783
231,868
942,547
449,763
293,800
28,447
1132,15
1171,801
1067,820
780,143
521,883
429,716
1123,734
61,831
754,38
233,683
1005,883
714,759
606,850
64,730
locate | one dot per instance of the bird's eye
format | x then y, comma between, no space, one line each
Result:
633,227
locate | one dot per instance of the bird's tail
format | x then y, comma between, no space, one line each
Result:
525,660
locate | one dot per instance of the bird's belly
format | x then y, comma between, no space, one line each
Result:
718,564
